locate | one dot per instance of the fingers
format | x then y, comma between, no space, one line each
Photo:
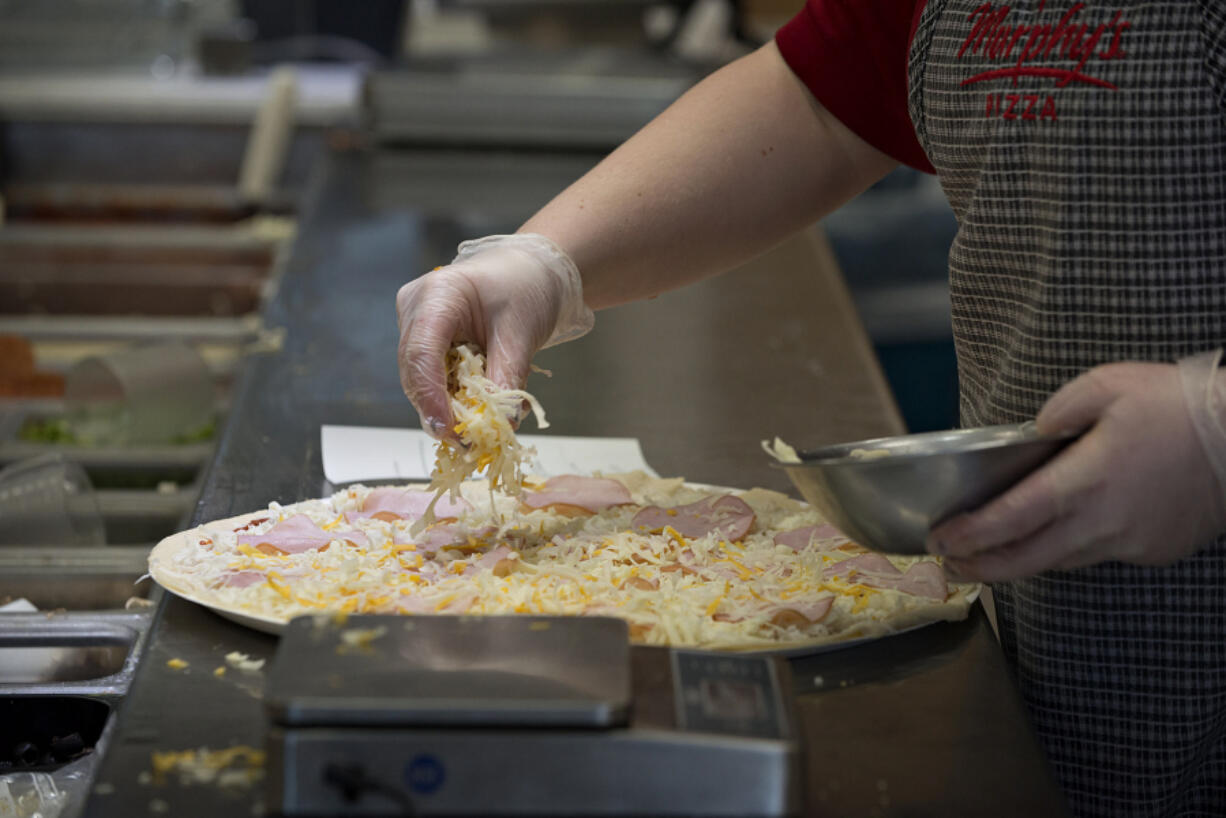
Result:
1022,510
1050,493
1062,545
508,362
1078,403
424,379
439,310
426,335
1127,490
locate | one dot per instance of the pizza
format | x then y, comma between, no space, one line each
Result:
683,564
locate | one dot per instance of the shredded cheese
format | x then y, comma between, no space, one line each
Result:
483,412
499,555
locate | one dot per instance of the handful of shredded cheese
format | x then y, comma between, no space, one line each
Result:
483,412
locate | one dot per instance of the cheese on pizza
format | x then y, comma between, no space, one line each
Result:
485,437
684,565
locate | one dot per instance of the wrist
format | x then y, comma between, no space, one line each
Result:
1204,392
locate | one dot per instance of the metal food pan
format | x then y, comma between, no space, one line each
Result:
63,676
145,517
167,271
76,579
41,731
68,202
92,654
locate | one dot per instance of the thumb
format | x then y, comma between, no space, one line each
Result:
1076,405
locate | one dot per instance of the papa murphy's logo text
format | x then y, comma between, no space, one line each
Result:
1066,49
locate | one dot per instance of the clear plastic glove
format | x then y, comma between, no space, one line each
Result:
510,295
1143,485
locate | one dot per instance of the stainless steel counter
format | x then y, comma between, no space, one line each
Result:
926,723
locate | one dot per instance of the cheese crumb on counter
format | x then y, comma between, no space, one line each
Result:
239,766
359,638
242,661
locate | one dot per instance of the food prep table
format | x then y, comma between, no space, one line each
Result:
922,724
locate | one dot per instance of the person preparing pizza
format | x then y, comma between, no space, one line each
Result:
1083,149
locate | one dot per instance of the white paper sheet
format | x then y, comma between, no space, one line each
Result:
354,453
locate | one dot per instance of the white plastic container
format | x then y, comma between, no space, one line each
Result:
143,395
48,500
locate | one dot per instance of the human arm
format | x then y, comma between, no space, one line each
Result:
741,161
745,159
1144,484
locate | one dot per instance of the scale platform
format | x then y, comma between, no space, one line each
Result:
522,715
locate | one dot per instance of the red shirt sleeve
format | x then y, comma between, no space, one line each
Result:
852,55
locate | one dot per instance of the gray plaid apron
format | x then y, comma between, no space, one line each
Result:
1083,149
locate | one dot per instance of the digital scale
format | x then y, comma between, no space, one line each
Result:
522,715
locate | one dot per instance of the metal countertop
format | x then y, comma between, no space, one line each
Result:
926,723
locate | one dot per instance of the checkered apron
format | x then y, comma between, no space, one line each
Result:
1083,149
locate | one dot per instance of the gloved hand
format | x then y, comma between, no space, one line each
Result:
1145,484
511,295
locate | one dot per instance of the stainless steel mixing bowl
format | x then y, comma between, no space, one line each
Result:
887,493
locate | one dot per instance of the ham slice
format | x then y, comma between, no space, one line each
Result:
592,494
407,504
926,579
446,535
726,516
687,562
247,577
863,564
793,612
298,534
242,579
798,539
923,579
493,560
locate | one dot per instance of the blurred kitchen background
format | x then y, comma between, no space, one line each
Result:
155,156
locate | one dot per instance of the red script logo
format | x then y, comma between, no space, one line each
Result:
1059,49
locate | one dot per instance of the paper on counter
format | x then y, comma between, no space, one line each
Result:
353,453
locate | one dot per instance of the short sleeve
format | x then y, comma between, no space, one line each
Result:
852,55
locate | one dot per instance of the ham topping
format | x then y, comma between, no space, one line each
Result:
864,564
592,494
246,577
298,534
445,536
801,614
242,579
796,614
402,504
798,539
726,516
499,560
924,579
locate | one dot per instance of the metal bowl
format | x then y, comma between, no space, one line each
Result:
887,493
